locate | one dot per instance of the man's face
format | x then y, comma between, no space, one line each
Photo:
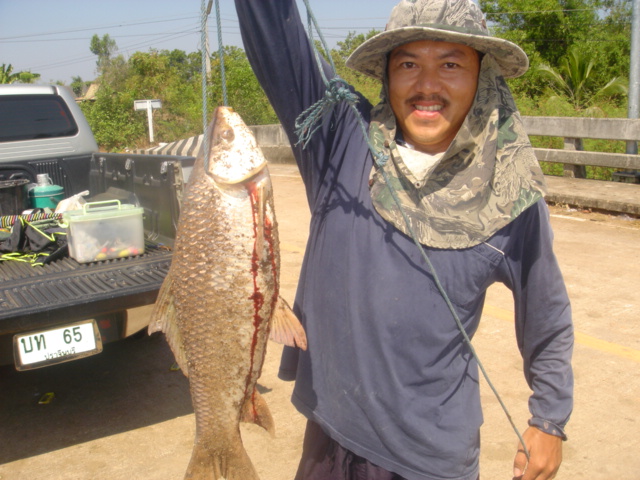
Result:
431,88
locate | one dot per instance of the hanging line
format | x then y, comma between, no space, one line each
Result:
336,91
204,48
203,74
309,121
223,75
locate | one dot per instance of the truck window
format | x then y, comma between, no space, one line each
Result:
27,117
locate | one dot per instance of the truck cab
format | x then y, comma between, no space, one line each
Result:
43,130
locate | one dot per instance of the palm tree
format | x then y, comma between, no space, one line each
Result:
572,75
27,77
6,75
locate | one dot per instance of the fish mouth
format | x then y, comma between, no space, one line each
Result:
249,175
234,156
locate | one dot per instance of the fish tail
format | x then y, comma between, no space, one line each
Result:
228,464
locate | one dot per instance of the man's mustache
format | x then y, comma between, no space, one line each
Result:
428,98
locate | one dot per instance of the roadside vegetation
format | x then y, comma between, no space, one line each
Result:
579,52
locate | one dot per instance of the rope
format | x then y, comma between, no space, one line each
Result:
308,122
305,129
336,91
223,75
8,220
31,258
205,113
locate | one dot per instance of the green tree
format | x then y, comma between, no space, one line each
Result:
78,86
369,87
610,43
156,75
7,75
547,29
103,47
113,120
27,77
244,92
116,72
572,79
187,65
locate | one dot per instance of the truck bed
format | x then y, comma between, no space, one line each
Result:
65,291
46,297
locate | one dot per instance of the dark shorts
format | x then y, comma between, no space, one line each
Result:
324,459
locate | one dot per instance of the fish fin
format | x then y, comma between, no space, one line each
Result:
163,319
255,410
231,463
286,327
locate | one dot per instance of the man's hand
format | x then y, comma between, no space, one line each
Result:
545,453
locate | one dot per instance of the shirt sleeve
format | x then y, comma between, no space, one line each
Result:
281,56
284,61
544,328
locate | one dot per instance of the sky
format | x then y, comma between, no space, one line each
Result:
52,38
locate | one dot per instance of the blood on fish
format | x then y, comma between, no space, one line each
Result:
257,296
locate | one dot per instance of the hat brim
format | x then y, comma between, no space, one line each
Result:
370,57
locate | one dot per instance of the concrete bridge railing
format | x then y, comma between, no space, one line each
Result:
574,131
274,141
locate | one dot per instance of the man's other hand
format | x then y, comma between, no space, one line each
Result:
545,452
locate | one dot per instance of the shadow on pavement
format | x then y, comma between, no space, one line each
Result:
128,386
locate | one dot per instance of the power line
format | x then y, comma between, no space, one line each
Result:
126,48
151,39
84,39
532,12
120,25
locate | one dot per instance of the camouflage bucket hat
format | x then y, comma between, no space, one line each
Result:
455,21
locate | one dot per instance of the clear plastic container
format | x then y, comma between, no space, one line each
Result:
105,230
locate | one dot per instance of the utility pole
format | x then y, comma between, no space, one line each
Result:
634,71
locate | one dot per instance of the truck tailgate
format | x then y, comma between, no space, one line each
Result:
66,291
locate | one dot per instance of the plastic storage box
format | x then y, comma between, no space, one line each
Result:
104,230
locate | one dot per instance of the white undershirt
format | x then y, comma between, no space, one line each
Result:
418,162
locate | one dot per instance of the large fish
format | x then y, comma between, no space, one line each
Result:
219,301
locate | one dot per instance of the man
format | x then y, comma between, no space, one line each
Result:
388,383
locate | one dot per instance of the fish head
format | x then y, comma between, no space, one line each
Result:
234,156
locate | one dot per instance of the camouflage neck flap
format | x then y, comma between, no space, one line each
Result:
486,178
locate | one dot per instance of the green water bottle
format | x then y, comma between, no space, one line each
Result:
45,194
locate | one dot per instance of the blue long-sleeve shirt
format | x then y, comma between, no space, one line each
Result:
387,373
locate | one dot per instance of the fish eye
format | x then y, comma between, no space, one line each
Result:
227,134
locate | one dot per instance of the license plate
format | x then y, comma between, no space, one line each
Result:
58,345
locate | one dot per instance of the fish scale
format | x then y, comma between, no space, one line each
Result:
220,298
224,292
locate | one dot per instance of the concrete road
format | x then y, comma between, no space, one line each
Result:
124,414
